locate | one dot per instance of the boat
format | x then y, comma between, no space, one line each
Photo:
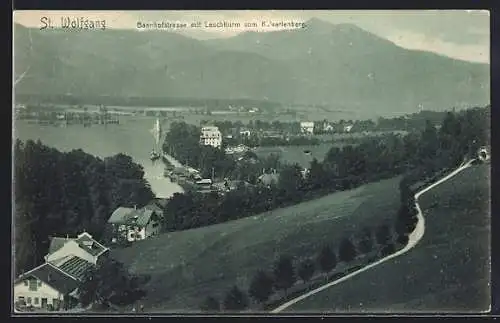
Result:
157,133
154,156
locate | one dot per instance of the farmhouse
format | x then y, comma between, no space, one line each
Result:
45,287
136,224
54,284
307,127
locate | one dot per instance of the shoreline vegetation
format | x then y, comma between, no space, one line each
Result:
117,181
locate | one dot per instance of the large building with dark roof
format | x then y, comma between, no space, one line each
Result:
45,286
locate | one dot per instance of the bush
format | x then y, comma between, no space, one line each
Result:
388,250
402,239
366,243
306,270
383,235
284,273
235,300
327,260
347,252
211,304
261,287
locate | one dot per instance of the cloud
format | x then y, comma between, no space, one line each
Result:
418,41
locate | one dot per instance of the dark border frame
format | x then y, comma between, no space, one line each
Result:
191,4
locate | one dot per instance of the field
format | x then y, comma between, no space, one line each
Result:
449,269
187,266
295,154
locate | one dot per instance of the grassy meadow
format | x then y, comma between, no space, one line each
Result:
448,270
186,266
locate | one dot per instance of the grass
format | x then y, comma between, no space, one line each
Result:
448,271
187,266
295,154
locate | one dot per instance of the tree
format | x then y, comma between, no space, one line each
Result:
306,270
291,179
108,283
284,273
388,250
402,239
347,251
366,243
235,300
261,287
210,304
60,193
327,260
383,235
316,176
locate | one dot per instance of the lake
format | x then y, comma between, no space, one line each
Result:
131,137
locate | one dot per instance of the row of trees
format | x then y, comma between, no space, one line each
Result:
63,193
286,272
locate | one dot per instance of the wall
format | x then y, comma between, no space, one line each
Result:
151,230
43,291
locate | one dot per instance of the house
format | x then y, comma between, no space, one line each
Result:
348,128
327,127
45,287
136,224
245,133
307,127
83,246
268,179
211,136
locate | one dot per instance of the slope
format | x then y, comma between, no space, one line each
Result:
187,266
449,269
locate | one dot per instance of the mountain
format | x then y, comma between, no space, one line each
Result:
342,66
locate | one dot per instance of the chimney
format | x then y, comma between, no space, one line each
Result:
49,277
135,206
67,237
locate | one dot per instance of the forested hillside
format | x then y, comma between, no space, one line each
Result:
61,194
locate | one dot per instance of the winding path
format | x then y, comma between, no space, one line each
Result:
414,238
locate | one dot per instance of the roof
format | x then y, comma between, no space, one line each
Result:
154,207
141,217
120,215
90,245
52,276
76,267
160,202
84,241
268,179
57,243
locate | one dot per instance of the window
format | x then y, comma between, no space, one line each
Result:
37,300
29,300
33,284
21,299
26,283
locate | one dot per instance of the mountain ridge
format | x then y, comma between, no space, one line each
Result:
321,64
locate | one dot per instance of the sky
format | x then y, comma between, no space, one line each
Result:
461,34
